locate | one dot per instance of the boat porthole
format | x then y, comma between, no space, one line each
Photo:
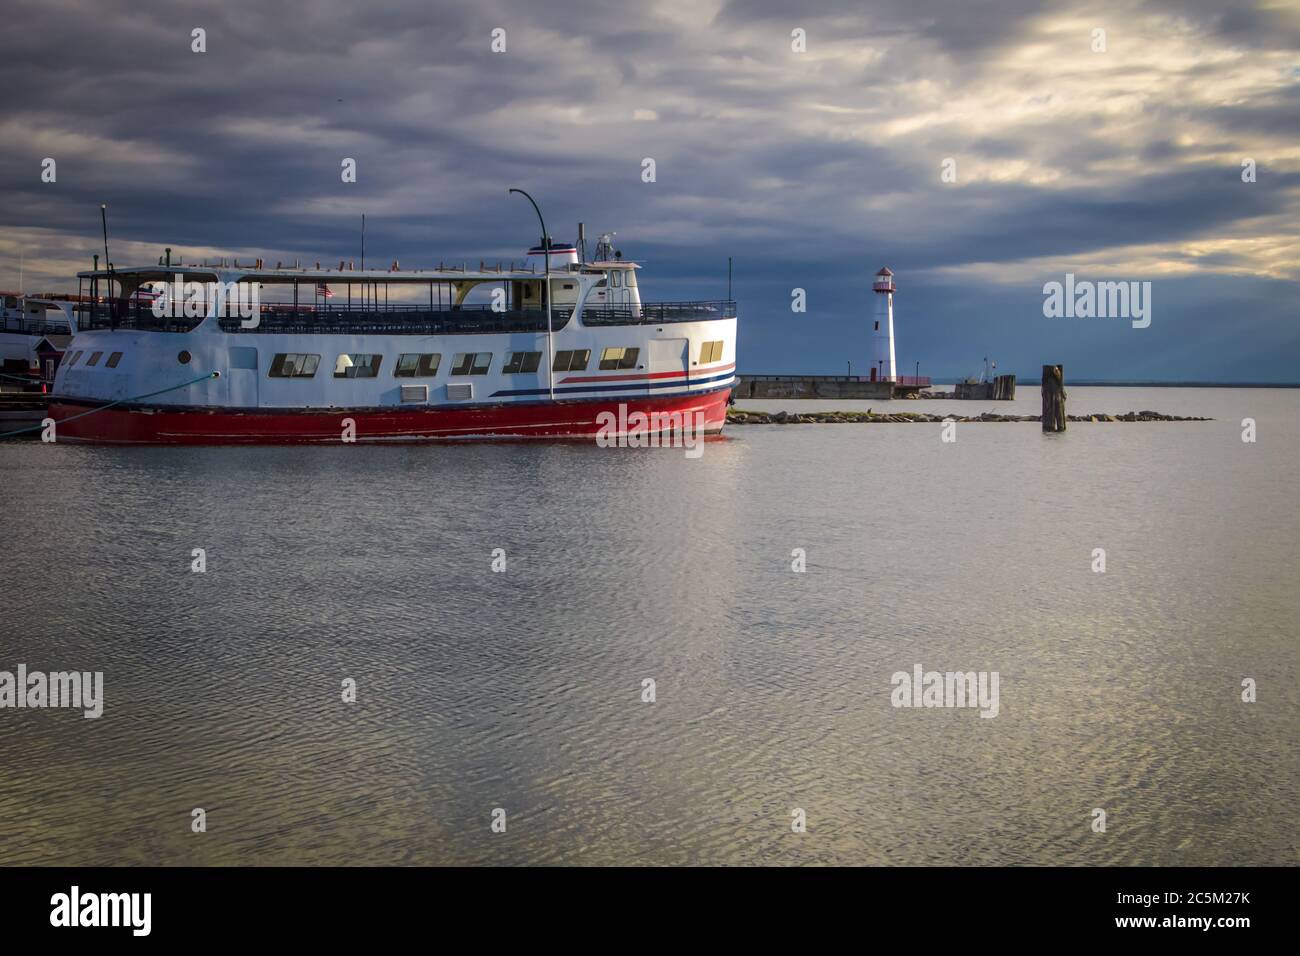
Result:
184,357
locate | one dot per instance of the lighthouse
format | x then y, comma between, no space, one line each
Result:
882,331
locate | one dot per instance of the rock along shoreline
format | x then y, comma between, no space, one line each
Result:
740,416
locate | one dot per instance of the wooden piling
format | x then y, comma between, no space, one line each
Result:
1053,398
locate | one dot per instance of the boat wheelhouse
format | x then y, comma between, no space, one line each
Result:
446,353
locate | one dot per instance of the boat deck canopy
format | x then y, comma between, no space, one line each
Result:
157,273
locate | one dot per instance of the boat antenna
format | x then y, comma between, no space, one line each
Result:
112,306
728,278
363,242
103,219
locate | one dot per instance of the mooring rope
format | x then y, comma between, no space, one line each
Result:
120,401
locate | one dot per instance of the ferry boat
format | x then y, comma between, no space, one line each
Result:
436,355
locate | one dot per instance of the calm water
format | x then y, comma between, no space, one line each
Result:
522,689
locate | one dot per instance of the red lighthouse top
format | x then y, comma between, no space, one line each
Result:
884,281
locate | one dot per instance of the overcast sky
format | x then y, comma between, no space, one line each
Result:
812,169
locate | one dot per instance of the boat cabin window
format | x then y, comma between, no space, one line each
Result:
94,359
73,360
710,352
574,360
357,365
113,360
617,279
471,363
618,357
417,364
521,362
294,365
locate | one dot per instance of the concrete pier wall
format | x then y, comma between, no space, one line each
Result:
811,386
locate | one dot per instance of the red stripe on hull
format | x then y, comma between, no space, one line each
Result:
171,426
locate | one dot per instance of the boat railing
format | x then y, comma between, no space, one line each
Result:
28,326
657,313
287,318
131,315
397,320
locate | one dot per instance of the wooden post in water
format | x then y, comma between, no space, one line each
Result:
1053,398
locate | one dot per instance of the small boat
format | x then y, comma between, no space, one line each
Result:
34,331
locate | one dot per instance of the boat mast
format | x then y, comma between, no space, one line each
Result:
112,304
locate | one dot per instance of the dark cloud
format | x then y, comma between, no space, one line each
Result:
789,165
968,28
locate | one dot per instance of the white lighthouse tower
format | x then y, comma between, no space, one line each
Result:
882,332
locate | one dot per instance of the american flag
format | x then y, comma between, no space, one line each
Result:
323,289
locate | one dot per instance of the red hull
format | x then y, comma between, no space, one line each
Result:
120,425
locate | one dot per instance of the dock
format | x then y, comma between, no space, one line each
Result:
22,410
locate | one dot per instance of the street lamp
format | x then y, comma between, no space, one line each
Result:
546,291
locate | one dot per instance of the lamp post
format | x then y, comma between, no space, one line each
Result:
546,291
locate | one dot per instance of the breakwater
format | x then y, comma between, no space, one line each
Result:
740,416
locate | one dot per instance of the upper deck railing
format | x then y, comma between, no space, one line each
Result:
136,316
404,319
399,320
29,326
657,313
